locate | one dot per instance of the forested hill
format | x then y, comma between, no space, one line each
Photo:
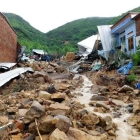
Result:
79,29
82,28
54,41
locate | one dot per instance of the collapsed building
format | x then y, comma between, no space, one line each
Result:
9,47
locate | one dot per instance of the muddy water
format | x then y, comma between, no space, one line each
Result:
124,132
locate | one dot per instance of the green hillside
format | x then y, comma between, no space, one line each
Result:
54,41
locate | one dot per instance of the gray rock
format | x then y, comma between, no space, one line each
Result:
125,88
36,111
99,98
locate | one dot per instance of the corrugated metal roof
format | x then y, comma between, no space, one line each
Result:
7,76
107,39
38,51
87,43
7,65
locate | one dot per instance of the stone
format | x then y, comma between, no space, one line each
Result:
59,106
17,137
60,86
95,89
125,88
56,119
136,106
112,132
90,119
45,75
1,107
21,113
102,104
59,97
43,87
36,110
51,89
132,121
26,95
27,102
93,133
136,91
118,102
12,110
63,124
58,112
15,131
40,79
109,123
46,125
44,137
75,134
45,95
4,119
58,135
99,98
32,128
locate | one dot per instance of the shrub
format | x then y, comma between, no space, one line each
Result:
122,55
136,58
132,77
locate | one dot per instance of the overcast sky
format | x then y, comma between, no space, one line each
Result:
46,15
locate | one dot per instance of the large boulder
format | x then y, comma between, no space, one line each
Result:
58,135
45,95
36,110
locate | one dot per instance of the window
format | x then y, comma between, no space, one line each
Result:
130,43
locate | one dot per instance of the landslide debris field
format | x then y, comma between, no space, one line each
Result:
52,103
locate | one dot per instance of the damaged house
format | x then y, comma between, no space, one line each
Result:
9,47
127,32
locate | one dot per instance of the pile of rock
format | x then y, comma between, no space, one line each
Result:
58,117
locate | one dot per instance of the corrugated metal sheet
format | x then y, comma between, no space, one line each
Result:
7,76
107,39
7,65
38,51
87,44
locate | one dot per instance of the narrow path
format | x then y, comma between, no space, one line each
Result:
124,132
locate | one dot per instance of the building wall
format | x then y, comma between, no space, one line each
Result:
138,26
8,42
137,41
122,20
131,28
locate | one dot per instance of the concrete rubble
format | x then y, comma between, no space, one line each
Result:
53,104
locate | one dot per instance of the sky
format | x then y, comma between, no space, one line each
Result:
46,15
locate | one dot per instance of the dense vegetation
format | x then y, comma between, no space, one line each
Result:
55,40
